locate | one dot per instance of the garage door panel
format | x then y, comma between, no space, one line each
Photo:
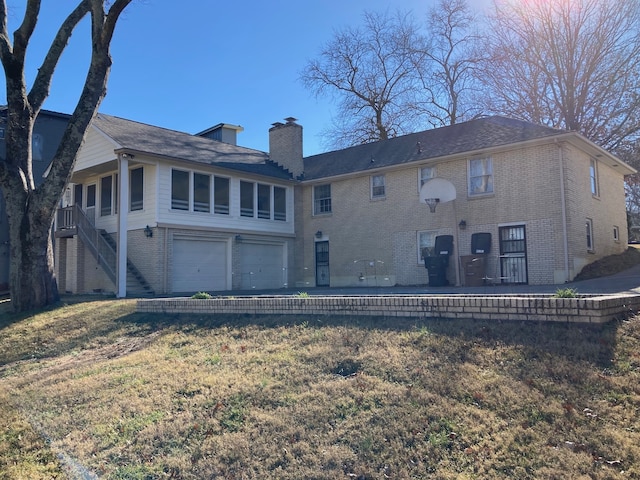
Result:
262,266
199,265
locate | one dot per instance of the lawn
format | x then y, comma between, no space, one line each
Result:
97,387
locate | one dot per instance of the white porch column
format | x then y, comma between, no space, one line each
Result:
123,208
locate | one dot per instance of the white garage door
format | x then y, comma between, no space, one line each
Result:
199,265
262,266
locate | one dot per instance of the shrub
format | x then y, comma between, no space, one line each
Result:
566,293
201,295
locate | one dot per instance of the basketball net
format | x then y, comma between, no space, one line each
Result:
432,203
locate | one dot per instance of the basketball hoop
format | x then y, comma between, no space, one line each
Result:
432,203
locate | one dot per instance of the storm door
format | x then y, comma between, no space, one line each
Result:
322,264
513,254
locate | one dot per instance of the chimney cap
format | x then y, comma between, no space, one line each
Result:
290,119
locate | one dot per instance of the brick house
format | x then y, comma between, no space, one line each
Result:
546,203
527,204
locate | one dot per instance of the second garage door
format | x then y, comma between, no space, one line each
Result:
199,265
262,266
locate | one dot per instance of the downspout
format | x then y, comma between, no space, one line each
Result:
563,205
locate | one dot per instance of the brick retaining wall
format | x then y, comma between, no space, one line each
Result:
594,309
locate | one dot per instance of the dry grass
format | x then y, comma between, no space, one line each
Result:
133,396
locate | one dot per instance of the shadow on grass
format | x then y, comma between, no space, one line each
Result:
104,321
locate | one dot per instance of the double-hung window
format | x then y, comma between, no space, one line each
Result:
426,244
377,186
480,176
322,199
426,173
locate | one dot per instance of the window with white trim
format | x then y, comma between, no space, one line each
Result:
593,177
201,193
136,191
179,190
377,186
279,204
480,176
246,199
322,199
108,195
426,173
221,195
264,201
616,233
589,232
426,243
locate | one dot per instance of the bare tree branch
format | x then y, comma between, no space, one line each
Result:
370,71
42,83
572,64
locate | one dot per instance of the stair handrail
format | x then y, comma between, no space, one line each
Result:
99,247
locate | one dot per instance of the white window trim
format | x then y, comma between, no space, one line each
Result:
469,177
616,233
313,199
131,169
418,246
420,182
594,183
384,187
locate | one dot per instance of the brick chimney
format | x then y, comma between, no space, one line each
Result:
285,145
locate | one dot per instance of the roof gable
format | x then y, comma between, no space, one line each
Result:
474,135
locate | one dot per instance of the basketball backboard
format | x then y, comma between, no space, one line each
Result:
439,189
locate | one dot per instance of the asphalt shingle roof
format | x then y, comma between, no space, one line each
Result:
469,136
177,145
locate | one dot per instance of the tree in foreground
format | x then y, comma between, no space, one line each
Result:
31,209
569,64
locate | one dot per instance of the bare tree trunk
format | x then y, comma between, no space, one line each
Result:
31,209
32,281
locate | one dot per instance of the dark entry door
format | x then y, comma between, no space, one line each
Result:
322,264
513,254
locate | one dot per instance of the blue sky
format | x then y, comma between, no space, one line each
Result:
192,64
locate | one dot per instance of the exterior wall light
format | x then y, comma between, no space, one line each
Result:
319,234
148,232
